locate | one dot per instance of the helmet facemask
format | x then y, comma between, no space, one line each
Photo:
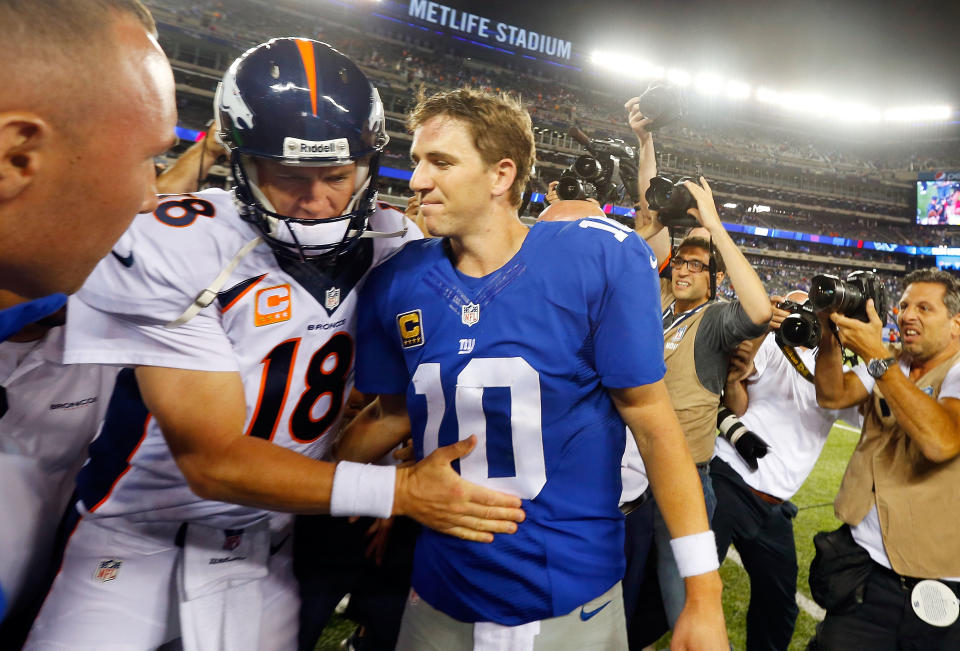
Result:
304,239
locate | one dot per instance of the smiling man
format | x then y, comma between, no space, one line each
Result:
540,344
898,495
699,333
237,311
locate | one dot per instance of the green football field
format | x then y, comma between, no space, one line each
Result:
815,501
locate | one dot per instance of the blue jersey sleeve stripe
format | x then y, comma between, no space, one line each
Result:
124,429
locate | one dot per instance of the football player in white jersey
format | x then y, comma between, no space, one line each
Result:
236,311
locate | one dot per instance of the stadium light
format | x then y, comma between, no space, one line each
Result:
708,83
738,89
847,111
631,66
803,102
917,114
768,95
853,112
678,77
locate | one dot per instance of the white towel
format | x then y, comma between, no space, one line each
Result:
488,636
219,586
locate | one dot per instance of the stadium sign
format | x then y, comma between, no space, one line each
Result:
938,176
489,29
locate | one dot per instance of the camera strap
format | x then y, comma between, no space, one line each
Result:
794,358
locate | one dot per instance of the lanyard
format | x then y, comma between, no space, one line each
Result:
683,317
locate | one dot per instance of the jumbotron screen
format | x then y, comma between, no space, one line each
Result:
938,200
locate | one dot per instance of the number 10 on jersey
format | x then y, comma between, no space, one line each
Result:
526,435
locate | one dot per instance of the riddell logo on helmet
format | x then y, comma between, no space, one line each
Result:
296,148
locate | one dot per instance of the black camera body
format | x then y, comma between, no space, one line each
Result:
671,200
663,104
585,179
801,327
849,297
592,176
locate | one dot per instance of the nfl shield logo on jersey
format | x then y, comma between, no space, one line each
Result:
107,570
470,314
232,539
332,298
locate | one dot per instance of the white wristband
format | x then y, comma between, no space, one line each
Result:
362,489
696,553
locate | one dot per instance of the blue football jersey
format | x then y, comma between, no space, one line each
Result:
520,358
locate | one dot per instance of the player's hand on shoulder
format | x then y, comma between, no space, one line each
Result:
432,493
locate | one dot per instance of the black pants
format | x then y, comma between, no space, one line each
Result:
643,606
885,621
330,561
763,535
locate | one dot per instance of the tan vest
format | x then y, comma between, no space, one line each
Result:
695,405
917,500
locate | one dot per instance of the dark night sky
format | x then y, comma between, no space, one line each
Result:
881,52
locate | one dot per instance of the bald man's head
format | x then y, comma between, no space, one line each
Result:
58,54
88,101
570,210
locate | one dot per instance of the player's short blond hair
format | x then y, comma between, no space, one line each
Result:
64,24
500,126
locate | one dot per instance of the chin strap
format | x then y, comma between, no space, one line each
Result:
207,296
368,234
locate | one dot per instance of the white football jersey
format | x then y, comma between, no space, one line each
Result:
48,416
287,327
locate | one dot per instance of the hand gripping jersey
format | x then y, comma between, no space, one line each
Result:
520,358
286,327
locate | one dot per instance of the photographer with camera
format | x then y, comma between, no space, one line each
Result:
699,335
762,461
889,578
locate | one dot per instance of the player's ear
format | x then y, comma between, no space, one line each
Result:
21,140
503,174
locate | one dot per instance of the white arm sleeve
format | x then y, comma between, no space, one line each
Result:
97,337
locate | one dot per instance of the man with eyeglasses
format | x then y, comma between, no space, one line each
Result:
699,333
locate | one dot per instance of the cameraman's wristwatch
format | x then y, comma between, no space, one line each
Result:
877,367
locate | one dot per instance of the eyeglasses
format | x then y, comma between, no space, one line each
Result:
695,266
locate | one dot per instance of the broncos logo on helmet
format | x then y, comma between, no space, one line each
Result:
301,103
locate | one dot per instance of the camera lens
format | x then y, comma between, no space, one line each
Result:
800,330
659,193
826,292
570,188
588,167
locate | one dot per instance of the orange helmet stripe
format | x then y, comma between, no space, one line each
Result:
310,66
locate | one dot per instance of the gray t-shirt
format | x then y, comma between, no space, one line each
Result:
723,327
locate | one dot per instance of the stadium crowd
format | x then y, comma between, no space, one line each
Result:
262,397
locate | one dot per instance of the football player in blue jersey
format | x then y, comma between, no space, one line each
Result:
539,344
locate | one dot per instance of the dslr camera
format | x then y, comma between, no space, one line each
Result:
801,327
831,294
663,104
849,297
593,175
671,200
